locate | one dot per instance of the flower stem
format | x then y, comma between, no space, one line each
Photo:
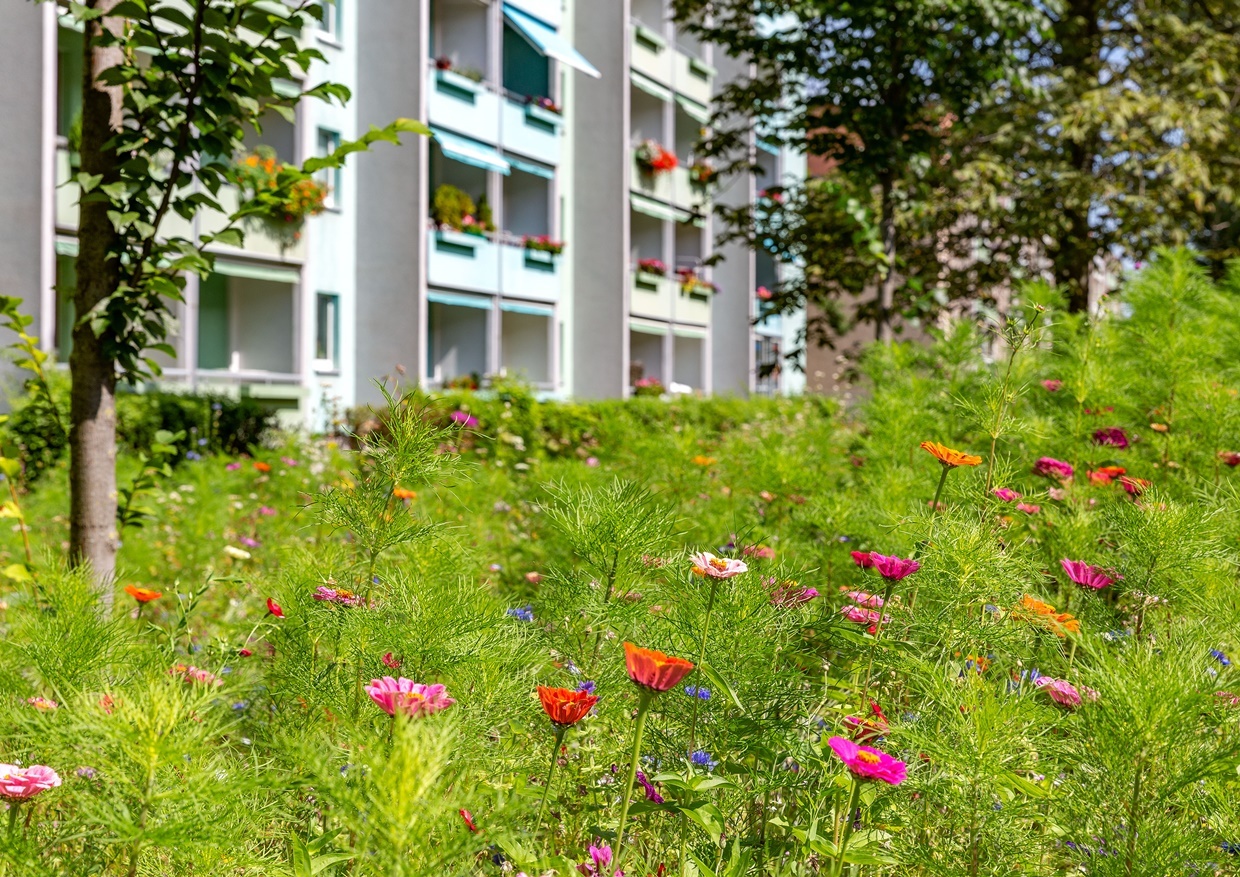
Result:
848,827
643,707
555,752
878,632
14,806
710,606
934,505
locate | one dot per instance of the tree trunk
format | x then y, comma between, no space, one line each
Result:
93,538
887,289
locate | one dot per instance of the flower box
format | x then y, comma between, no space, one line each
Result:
455,85
451,240
542,118
540,260
649,39
648,280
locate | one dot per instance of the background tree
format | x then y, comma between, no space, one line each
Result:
169,94
877,90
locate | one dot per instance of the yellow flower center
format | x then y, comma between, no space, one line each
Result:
867,757
698,571
718,563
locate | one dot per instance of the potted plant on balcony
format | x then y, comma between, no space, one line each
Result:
693,284
457,79
278,200
541,250
653,159
650,271
453,209
651,386
701,173
543,113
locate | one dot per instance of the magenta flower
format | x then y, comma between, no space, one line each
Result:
233,466
339,596
266,511
1111,436
652,794
868,763
20,783
405,696
893,568
43,704
1028,508
1051,467
1087,576
866,599
863,559
1006,494
1052,385
463,418
592,462
599,864
706,564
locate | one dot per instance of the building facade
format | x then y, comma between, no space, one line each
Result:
540,234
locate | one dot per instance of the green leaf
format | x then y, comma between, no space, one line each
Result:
708,818
88,181
17,572
720,683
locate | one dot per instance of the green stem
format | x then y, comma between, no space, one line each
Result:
14,806
555,752
643,707
848,827
934,506
878,632
710,606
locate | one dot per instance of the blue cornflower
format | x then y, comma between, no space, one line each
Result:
698,692
702,759
1220,657
1233,847
521,613
217,406
587,686
240,705
202,443
193,455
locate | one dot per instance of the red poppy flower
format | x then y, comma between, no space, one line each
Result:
564,706
469,820
274,608
142,595
654,671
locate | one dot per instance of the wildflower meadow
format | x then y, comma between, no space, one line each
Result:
978,618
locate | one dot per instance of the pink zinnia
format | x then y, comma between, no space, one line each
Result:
1111,436
1053,467
43,704
1006,494
190,673
1053,385
1088,576
869,729
790,594
860,615
406,696
893,568
863,559
1028,508
464,419
20,783
706,564
762,552
868,763
1063,692
866,599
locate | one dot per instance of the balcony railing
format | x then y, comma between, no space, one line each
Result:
492,265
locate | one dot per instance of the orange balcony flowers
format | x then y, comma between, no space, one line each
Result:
564,706
949,457
142,595
654,671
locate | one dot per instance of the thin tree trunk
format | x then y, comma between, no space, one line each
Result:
887,290
93,538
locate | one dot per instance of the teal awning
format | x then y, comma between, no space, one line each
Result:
470,152
254,271
768,147
694,109
513,307
648,85
527,167
650,207
688,332
457,300
545,39
648,327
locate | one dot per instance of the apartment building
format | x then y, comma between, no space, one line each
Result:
440,262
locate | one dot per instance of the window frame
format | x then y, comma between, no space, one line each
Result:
327,141
330,26
331,362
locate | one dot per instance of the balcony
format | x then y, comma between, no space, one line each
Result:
532,131
652,296
693,307
530,274
692,76
688,194
460,104
209,222
652,55
462,261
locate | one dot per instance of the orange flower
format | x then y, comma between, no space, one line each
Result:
564,706
142,595
654,671
703,460
403,493
948,457
262,467
1059,622
1105,474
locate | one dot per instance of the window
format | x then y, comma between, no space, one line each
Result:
330,22
329,142
69,84
327,332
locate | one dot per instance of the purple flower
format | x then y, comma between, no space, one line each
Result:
697,691
248,542
702,759
463,418
521,613
1111,436
652,794
587,686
